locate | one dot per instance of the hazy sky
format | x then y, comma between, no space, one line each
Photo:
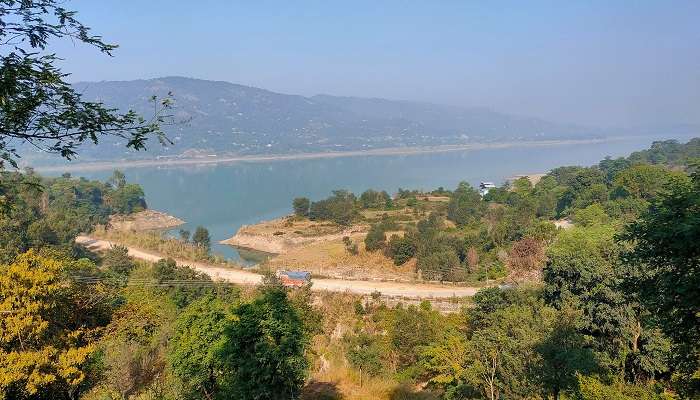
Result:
619,63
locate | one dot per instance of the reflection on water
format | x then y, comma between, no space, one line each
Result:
224,197
252,257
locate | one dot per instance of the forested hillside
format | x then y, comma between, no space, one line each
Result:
38,212
226,118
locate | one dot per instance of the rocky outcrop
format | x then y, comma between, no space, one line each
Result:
268,244
144,221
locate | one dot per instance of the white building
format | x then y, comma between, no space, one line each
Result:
484,187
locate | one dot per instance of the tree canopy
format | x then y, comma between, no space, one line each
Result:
37,106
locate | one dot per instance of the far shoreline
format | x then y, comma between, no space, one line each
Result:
387,151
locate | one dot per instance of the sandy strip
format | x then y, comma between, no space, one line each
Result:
334,285
109,165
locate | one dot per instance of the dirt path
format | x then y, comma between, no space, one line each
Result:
333,285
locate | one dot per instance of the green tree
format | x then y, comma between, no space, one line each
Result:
591,215
611,167
584,186
594,388
546,193
265,349
184,235
374,199
522,186
409,330
401,249
116,260
376,238
564,354
301,206
350,246
49,212
37,106
131,351
445,359
365,353
665,265
668,152
127,199
339,208
170,277
117,180
465,205
442,263
195,353
646,181
501,354
584,271
201,237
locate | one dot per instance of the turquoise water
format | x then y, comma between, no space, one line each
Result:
223,197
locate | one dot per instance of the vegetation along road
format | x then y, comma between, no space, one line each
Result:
333,285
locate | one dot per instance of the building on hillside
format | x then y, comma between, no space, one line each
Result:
484,188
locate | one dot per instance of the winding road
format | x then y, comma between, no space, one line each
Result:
412,290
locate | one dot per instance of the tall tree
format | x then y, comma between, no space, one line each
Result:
365,353
564,354
301,206
195,353
37,106
201,237
584,271
265,349
501,354
376,238
666,269
465,205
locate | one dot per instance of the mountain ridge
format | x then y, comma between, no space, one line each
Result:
234,119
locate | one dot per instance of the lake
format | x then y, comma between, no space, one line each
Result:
223,197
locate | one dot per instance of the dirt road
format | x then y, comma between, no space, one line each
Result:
333,285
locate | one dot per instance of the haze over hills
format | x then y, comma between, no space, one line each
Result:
230,119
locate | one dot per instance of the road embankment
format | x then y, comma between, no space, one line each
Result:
243,277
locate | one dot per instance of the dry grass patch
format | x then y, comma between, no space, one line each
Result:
156,242
292,226
331,258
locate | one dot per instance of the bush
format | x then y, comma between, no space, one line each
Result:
117,261
591,215
339,208
365,353
400,249
373,199
376,238
440,264
591,388
465,205
350,246
201,237
301,206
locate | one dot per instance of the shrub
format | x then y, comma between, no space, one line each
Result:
400,249
376,238
301,206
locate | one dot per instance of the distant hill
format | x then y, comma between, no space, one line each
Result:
226,118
